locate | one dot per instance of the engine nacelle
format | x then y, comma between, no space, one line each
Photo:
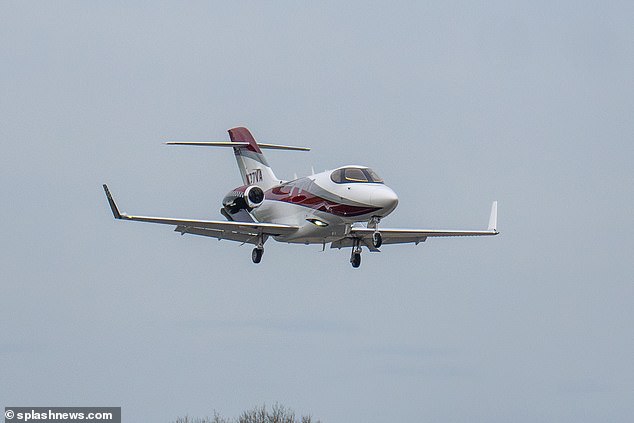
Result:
243,198
254,196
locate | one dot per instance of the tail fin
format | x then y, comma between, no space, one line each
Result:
253,166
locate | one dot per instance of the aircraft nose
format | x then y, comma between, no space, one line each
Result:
386,199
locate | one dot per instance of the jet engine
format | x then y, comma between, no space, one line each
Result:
244,198
254,196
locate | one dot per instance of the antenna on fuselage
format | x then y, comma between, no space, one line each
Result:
312,170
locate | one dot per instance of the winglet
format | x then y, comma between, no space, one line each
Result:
493,219
113,206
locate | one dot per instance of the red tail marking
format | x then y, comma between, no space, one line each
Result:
241,134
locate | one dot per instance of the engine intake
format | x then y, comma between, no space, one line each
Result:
254,196
243,198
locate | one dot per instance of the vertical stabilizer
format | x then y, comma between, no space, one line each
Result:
253,166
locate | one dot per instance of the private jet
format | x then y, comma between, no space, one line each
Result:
341,207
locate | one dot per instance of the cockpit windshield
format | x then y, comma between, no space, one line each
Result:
373,176
355,174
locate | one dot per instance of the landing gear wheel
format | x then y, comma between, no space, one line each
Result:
355,260
256,254
377,239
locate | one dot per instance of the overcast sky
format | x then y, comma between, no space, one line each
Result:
454,104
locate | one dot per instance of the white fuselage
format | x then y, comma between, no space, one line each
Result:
323,209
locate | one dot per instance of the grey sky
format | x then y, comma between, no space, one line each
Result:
455,104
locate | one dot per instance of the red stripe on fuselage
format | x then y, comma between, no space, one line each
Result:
307,199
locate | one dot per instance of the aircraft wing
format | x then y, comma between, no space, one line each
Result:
235,231
403,236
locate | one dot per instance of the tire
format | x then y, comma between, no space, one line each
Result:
377,239
356,260
256,255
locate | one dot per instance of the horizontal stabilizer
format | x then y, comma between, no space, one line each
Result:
282,147
237,144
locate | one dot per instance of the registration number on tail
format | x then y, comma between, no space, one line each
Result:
255,176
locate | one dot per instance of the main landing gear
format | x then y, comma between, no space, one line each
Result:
258,251
355,258
256,254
